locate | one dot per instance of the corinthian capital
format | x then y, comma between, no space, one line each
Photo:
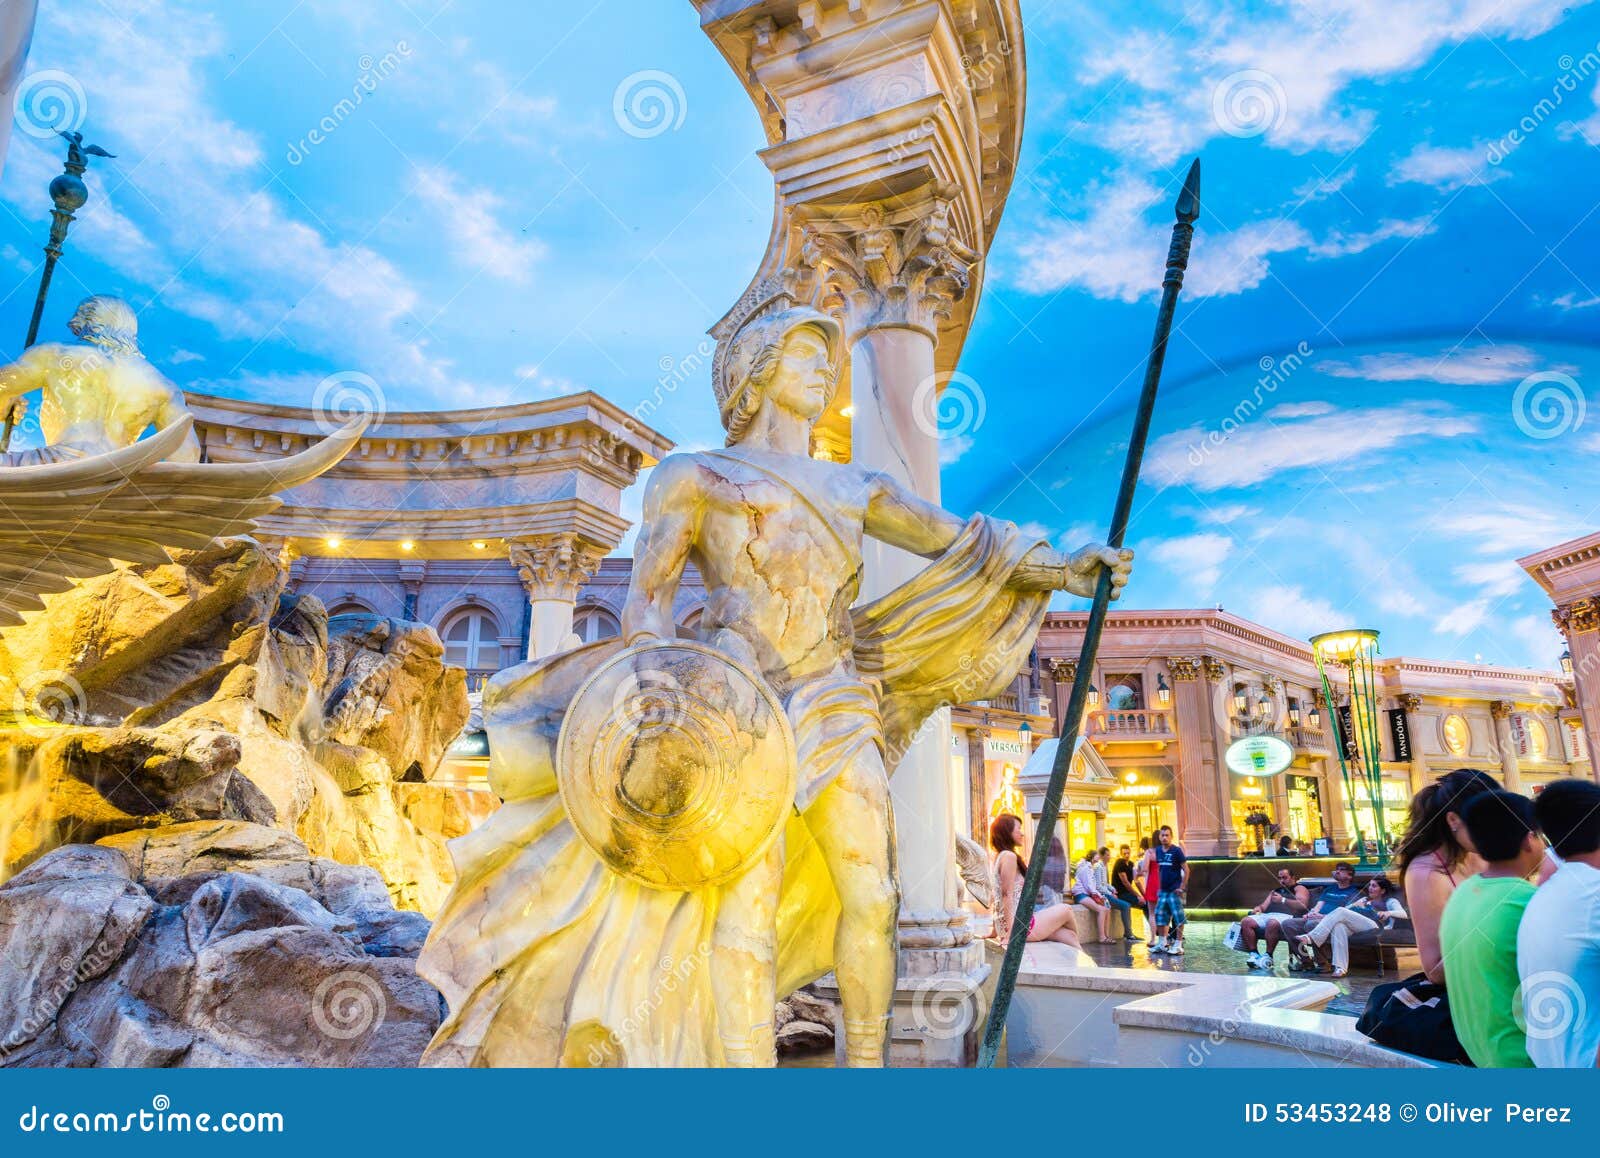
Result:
1581,615
881,274
555,566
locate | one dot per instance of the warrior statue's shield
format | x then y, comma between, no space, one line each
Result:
676,765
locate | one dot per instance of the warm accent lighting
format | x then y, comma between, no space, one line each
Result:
406,544
1315,719
1163,692
479,545
1024,729
1294,711
1094,696
1241,702
848,412
333,544
1566,661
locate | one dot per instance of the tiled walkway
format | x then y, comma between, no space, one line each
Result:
1204,953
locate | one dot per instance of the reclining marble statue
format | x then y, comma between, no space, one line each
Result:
95,491
693,829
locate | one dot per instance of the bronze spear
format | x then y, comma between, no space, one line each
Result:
1188,209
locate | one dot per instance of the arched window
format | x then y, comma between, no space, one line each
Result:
472,640
349,608
592,624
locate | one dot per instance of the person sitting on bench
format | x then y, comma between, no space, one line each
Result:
1335,896
1379,908
1289,899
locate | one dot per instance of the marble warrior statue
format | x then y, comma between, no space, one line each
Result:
95,492
565,942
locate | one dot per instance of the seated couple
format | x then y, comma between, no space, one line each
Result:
1287,914
1091,888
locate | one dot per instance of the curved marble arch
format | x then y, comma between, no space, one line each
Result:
893,130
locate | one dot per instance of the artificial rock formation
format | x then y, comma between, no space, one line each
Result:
198,690
207,943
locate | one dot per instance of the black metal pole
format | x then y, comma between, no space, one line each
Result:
1188,209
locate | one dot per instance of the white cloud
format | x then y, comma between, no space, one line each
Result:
1300,410
1338,244
1498,578
1253,453
1589,127
1461,619
1480,364
1311,53
1320,188
248,266
951,449
1032,530
1290,610
1195,559
1571,301
179,357
1447,169
1223,514
468,217
1512,529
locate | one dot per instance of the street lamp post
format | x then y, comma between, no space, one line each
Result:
1356,651
68,194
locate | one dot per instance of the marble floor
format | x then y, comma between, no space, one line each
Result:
1204,953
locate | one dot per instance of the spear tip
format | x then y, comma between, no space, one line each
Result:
1189,200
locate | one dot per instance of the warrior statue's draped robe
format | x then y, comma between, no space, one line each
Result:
546,957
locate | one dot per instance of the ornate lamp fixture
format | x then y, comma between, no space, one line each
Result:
1354,652
1163,692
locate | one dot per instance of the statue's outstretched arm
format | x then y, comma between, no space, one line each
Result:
900,518
673,501
25,374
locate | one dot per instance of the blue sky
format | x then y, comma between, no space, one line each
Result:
1375,396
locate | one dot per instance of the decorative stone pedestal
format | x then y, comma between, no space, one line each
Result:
940,1002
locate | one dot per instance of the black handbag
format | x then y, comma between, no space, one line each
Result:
1413,1016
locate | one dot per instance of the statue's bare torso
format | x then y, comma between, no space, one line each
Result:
93,400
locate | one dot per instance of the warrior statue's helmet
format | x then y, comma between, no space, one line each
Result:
107,322
752,359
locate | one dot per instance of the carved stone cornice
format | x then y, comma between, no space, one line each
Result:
1410,701
555,566
878,274
1183,668
1579,616
1063,671
1213,667
1501,709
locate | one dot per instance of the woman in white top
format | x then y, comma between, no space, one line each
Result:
1086,892
1378,908
1051,923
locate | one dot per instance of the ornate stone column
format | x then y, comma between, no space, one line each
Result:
1579,621
553,568
412,577
1510,770
1224,838
1195,784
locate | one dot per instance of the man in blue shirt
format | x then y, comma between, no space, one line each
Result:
1335,896
1174,868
